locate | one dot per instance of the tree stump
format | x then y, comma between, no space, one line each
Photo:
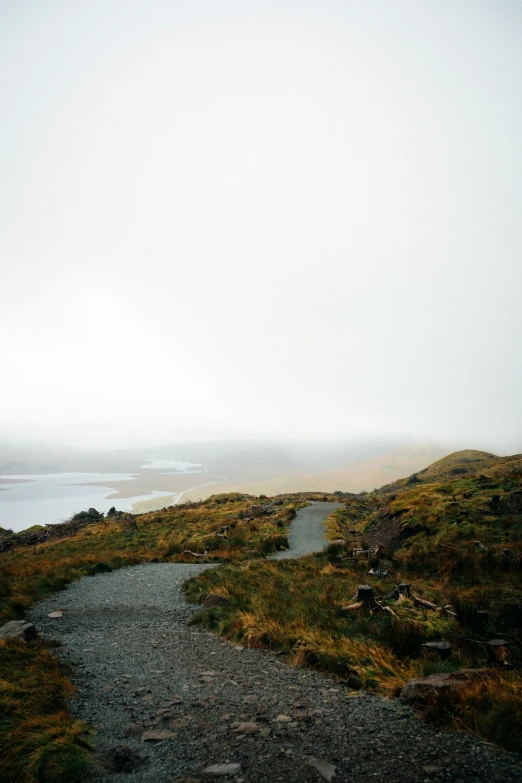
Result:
366,596
499,653
443,649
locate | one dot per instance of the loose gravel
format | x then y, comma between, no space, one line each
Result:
307,531
141,668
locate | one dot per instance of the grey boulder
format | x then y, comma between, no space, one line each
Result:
18,629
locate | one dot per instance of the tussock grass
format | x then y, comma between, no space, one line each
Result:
297,606
489,707
39,740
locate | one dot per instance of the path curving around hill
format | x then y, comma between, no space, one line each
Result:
307,534
140,667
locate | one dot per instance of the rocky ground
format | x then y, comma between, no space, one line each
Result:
169,701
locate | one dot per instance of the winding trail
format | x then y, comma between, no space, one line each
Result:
137,661
307,531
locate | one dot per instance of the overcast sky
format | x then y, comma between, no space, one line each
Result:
261,218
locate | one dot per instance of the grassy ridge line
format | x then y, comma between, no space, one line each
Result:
39,741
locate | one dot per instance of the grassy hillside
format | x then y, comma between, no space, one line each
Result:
453,530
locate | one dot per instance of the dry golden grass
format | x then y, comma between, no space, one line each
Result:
39,740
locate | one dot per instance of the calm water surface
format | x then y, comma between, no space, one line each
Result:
53,497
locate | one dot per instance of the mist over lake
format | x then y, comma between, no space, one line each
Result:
43,499
41,488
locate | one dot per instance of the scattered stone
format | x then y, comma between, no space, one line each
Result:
58,613
134,728
324,768
302,716
215,600
157,735
18,629
431,770
221,770
164,714
238,647
171,702
249,727
142,691
121,759
180,723
354,682
209,674
283,719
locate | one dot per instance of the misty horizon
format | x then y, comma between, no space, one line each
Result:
251,222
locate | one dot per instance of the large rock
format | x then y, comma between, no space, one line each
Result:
215,600
18,629
422,690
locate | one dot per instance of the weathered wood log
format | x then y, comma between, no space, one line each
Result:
357,605
445,610
375,551
443,649
400,591
194,554
425,604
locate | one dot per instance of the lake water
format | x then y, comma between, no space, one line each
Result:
53,497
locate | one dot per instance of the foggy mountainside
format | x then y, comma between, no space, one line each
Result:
260,408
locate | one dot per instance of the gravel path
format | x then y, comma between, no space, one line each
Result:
307,530
140,666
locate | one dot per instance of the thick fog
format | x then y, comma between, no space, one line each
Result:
225,219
